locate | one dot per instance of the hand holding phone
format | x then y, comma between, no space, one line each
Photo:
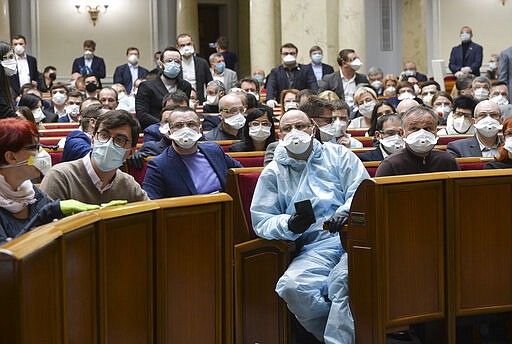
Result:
303,217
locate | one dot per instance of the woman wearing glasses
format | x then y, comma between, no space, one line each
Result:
258,132
22,205
7,68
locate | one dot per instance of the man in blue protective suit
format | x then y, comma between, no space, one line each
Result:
315,285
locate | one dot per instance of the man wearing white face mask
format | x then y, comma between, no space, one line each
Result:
466,58
404,91
499,95
127,73
288,75
486,141
460,121
96,178
480,88
26,65
186,167
420,128
196,70
344,82
231,112
314,285
389,134
59,94
72,107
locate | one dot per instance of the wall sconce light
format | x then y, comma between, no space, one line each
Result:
503,2
94,11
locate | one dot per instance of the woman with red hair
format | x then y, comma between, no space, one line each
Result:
504,160
22,205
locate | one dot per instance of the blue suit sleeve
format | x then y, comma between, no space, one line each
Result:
118,76
154,181
503,67
477,63
454,65
101,71
231,163
272,85
311,80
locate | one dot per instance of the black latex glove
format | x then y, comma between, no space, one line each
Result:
137,160
299,223
336,222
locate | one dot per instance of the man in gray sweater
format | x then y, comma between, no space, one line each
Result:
96,178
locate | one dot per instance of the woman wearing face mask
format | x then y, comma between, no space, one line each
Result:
35,104
390,83
22,205
288,100
8,68
383,107
460,121
504,160
258,132
365,99
442,104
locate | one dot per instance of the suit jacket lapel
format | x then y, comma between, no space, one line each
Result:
216,165
160,87
182,170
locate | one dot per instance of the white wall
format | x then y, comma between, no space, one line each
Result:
61,30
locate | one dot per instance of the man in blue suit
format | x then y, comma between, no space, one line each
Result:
89,63
319,69
186,167
389,133
466,58
127,73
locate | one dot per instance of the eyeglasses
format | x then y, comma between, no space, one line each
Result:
8,56
257,124
462,114
120,141
34,147
493,115
233,111
498,93
181,125
436,104
299,126
390,132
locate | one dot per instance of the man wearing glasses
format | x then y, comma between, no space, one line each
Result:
231,112
95,178
186,167
486,141
148,101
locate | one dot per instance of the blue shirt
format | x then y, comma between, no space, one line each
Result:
202,174
317,69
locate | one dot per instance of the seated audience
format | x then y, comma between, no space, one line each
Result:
23,206
59,93
108,97
304,95
404,90
35,104
72,107
375,77
460,121
126,101
226,76
486,141
420,128
214,91
382,108
409,69
481,88
46,78
365,100
388,133
442,104
499,95
428,90
340,123
327,95
92,85
504,159
463,85
186,167
258,132
390,84
405,105
289,99
23,112
96,177
232,119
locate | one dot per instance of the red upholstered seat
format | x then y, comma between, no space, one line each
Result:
56,157
479,165
251,161
444,140
138,175
247,183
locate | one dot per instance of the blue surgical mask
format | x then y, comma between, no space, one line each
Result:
465,37
107,156
259,77
172,69
219,67
317,58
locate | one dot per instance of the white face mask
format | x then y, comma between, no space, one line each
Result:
236,121
417,89
290,105
377,84
488,126
356,64
427,98
10,67
335,129
508,144
500,100
133,59
366,109
481,93
191,104
289,59
406,95
72,110
212,100
421,141
390,90
443,111
187,50
88,54
59,98
42,161
165,130
38,115
296,141
392,144
259,133
461,125
185,137
19,49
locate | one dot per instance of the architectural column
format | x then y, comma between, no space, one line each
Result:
187,19
263,22
5,31
352,27
414,43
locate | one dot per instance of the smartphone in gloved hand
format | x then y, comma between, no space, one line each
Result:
304,208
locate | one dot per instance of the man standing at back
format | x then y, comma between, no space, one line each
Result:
195,69
319,69
26,64
127,73
466,58
89,63
288,75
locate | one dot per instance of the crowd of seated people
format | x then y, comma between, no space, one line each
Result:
183,111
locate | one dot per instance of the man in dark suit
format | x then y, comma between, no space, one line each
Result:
344,82
196,70
148,101
26,64
89,63
410,70
389,134
466,58
289,74
127,73
319,69
186,167
486,141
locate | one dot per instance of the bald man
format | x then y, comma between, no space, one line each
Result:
307,186
486,142
404,105
232,119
